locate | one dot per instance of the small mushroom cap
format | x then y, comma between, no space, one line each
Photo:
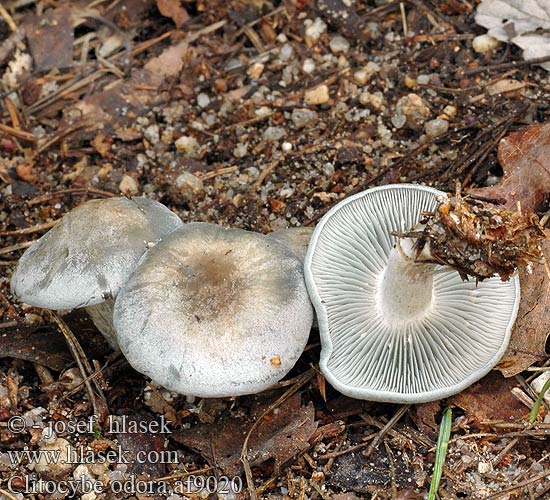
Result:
214,312
295,238
90,253
367,355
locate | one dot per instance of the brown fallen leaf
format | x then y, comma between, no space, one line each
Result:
47,348
490,399
174,10
281,435
525,159
114,110
423,415
51,39
142,449
532,327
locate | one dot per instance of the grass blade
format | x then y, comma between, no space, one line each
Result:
441,452
538,402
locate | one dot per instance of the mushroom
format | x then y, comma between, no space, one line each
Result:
85,259
214,312
295,238
394,329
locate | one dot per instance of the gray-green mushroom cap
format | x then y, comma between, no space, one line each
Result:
295,238
85,259
214,312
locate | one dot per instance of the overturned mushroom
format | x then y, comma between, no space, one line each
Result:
214,312
85,259
395,329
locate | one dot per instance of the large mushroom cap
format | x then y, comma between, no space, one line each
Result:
416,347
214,312
90,253
295,238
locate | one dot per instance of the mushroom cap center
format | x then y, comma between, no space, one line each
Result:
213,283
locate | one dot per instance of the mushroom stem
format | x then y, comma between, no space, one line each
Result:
102,316
406,288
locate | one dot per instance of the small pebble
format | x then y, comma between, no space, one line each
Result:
240,150
414,109
449,111
317,95
152,134
398,121
308,66
436,127
286,147
363,75
262,111
128,185
274,133
409,82
339,44
484,43
188,186
302,117
286,52
59,467
484,467
256,70
423,79
203,100
187,145
314,30
370,100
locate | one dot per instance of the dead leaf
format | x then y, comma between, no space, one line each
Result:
532,327
174,10
423,415
47,348
114,110
524,23
525,159
150,448
282,435
51,39
490,399
156,402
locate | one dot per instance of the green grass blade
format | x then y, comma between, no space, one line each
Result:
441,452
538,402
